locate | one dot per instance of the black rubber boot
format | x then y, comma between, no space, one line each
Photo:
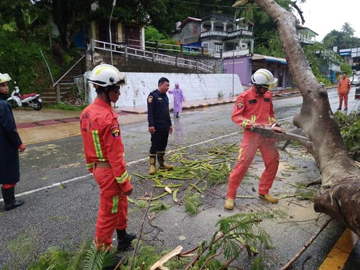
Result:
124,240
9,199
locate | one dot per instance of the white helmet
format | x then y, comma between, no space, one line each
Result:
106,75
263,77
4,78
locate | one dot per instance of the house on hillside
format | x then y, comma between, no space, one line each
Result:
131,33
218,34
306,35
245,66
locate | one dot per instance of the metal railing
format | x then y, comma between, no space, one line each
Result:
151,56
62,77
56,84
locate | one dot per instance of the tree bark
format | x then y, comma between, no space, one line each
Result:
340,193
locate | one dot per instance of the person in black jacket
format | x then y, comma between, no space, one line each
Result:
159,124
10,145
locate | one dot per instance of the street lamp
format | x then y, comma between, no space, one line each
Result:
233,62
112,10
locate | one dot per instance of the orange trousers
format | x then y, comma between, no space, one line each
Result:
343,96
250,144
113,207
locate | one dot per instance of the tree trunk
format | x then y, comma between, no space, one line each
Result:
340,194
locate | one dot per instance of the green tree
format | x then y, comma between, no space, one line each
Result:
347,29
342,39
69,16
346,68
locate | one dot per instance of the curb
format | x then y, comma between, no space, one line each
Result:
47,122
286,94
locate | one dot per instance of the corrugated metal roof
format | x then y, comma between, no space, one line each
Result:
259,57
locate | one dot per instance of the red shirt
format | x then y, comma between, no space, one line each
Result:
100,131
251,108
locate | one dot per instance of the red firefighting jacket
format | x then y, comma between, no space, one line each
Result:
251,108
100,131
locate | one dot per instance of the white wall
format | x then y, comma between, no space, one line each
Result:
194,86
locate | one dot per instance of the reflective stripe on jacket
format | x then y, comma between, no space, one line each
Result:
251,108
100,131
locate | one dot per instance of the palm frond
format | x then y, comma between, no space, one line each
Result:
98,259
78,257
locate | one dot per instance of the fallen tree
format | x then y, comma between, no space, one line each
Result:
340,193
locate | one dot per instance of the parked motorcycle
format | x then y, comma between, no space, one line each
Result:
32,100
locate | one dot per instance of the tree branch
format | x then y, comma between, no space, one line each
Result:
299,11
307,244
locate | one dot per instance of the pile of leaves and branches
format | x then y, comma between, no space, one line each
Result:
234,234
193,177
350,132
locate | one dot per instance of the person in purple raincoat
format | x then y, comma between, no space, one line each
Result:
178,99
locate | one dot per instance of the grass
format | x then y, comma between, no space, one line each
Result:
66,107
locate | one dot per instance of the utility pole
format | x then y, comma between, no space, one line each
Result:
112,10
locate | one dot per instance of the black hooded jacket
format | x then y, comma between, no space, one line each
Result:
9,145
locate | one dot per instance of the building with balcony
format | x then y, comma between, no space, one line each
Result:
306,35
218,34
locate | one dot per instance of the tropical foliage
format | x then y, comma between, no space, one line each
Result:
233,235
350,132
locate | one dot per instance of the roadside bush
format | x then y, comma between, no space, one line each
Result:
25,64
350,132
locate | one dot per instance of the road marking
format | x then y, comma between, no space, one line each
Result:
339,254
128,164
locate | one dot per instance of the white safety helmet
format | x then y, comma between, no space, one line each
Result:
106,75
263,77
4,78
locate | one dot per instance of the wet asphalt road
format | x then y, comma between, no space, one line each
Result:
65,215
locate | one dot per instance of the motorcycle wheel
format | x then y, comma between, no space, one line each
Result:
37,105
12,103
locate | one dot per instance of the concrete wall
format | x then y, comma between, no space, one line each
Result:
194,86
241,66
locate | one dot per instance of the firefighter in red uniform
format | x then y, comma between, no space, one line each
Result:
104,154
254,108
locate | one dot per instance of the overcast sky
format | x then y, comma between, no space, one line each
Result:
322,16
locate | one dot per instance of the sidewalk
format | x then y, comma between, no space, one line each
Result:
51,124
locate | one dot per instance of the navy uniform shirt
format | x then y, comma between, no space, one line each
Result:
158,111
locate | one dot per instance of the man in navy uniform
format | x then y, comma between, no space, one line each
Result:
159,124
